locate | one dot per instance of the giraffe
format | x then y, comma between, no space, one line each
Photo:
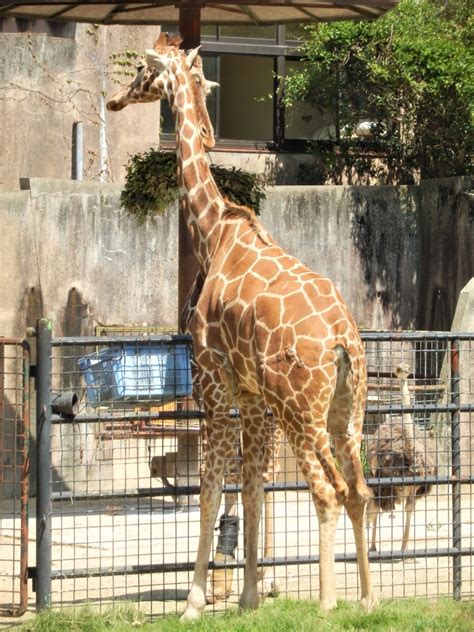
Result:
267,333
220,585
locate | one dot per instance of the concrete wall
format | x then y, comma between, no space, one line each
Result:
70,253
49,83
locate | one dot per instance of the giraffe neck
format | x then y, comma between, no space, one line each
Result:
200,200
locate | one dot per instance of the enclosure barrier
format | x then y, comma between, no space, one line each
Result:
118,515
14,467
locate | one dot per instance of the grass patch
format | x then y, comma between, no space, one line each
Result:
283,615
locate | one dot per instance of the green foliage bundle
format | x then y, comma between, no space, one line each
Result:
151,186
411,72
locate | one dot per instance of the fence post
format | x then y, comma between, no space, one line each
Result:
456,470
43,463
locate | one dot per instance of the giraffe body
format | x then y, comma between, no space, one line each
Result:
267,333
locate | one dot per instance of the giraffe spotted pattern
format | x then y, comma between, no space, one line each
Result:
267,333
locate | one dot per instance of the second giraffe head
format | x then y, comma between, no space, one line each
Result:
175,75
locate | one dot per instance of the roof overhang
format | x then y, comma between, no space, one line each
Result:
233,12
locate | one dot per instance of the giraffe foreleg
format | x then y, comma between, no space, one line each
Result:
220,586
220,435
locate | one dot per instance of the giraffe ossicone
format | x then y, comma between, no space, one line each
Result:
267,333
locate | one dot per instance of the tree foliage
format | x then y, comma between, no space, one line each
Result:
410,72
151,185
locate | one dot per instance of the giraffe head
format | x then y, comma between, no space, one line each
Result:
167,67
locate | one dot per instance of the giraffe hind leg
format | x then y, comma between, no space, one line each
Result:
253,413
271,470
328,508
345,426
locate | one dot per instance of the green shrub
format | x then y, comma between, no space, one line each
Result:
410,73
151,186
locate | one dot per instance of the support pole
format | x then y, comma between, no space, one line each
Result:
190,31
187,470
43,464
456,471
190,26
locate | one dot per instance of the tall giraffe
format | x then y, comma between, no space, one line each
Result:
267,333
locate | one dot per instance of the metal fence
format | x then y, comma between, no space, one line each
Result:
14,465
120,458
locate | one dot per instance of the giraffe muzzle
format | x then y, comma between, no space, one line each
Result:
114,105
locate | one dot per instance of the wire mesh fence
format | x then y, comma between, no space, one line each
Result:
14,440
126,456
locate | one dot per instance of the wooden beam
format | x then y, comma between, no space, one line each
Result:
190,31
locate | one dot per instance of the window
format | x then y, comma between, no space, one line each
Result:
305,122
246,109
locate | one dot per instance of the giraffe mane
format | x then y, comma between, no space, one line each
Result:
237,211
167,40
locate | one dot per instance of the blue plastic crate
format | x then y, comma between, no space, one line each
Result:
153,371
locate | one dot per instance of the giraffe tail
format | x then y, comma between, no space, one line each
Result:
351,374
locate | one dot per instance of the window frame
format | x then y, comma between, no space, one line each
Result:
280,50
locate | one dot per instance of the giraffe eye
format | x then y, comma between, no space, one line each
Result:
140,67
197,79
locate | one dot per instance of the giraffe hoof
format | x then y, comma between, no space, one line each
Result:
249,600
220,584
267,587
190,614
327,604
370,602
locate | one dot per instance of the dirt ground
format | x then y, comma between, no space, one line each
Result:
88,538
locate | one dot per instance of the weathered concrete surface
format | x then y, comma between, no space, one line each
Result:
70,253
363,238
445,226
464,321
49,83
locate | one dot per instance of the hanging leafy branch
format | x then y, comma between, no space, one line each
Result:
410,73
151,186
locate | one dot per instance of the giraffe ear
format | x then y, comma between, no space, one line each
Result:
155,60
192,56
212,84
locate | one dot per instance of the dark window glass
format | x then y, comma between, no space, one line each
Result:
295,32
249,31
246,107
209,31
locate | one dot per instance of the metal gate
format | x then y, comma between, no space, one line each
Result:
119,466
14,467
